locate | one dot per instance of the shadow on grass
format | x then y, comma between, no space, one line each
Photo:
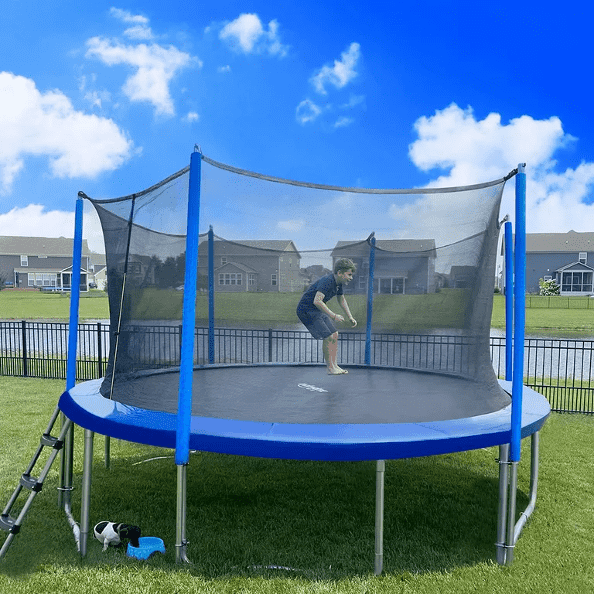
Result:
248,515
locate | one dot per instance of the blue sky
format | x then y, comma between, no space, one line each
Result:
110,98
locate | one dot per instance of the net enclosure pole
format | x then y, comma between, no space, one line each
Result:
370,299
509,300
519,313
518,359
74,294
211,337
67,454
182,441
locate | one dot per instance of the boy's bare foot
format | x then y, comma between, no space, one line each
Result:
337,371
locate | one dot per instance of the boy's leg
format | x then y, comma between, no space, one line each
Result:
330,349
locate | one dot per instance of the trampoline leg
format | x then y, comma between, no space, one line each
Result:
379,516
85,505
181,543
511,517
502,511
534,455
65,489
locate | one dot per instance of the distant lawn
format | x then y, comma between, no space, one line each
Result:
247,515
396,313
30,305
573,322
400,313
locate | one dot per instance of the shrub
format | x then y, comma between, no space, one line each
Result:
548,287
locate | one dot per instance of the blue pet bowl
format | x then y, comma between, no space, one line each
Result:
147,545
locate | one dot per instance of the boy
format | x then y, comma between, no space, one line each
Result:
317,316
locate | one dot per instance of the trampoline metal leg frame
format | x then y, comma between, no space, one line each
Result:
379,516
508,530
85,505
66,475
181,543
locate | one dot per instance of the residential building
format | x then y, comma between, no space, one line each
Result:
402,266
567,258
253,265
41,262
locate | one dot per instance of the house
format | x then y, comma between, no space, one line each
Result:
41,262
253,265
567,258
402,266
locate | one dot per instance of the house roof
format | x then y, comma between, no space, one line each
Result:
278,245
39,246
560,242
400,246
575,266
236,265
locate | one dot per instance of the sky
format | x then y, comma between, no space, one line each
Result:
110,98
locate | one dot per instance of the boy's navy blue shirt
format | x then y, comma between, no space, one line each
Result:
326,285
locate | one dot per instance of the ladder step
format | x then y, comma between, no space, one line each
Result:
7,523
48,440
30,482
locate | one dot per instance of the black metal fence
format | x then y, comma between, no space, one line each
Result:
562,370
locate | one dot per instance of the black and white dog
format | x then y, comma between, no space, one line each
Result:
113,533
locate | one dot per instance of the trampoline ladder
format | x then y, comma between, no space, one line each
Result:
32,484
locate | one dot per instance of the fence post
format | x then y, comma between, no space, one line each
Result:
269,345
24,342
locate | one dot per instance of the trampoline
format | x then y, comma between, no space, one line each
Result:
420,380
299,412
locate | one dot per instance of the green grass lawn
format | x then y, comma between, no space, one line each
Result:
317,518
31,305
405,313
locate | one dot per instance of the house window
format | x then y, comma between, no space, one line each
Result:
583,257
24,260
230,278
223,260
251,279
273,280
362,283
31,281
577,282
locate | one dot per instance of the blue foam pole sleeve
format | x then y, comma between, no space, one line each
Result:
211,341
184,408
519,314
509,300
74,295
370,301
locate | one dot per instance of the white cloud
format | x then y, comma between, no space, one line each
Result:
341,73
247,34
294,225
224,69
474,151
343,121
192,116
307,111
34,221
46,124
156,66
140,25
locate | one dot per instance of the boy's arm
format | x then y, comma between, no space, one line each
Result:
319,303
343,303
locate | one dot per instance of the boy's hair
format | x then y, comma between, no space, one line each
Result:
343,265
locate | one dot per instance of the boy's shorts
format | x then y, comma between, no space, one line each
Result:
319,324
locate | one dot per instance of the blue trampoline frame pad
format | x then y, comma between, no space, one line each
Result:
86,407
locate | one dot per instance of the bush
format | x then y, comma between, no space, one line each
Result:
548,287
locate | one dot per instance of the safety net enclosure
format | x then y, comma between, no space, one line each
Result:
422,290
208,273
